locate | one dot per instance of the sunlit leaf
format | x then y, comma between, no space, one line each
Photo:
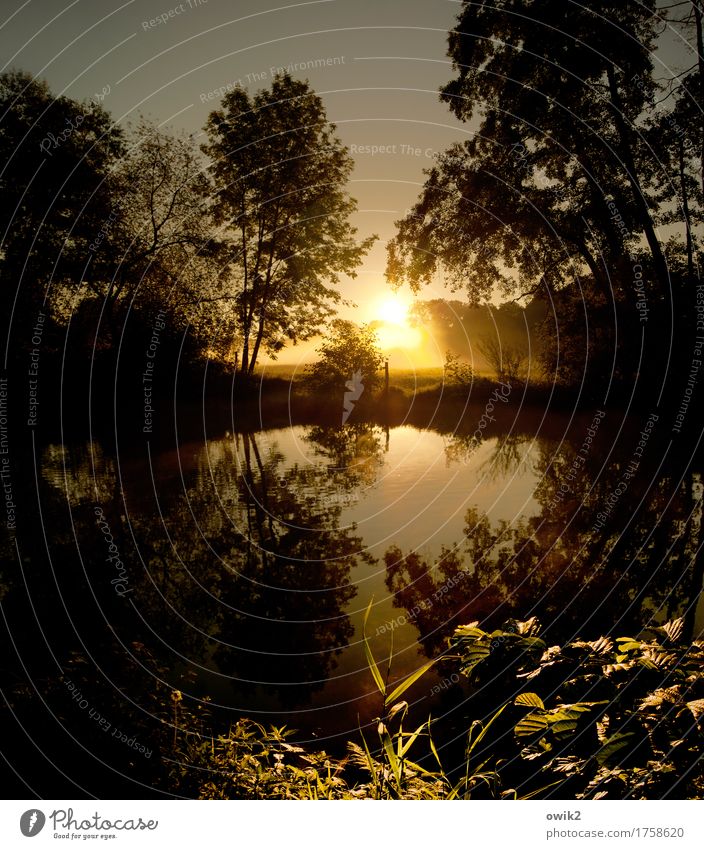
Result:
371,663
408,682
529,700
534,723
627,644
697,708
674,629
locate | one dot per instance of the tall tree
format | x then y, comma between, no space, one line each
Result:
557,181
280,174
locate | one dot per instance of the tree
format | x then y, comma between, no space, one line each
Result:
507,361
554,183
349,354
161,238
280,173
56,156
155,251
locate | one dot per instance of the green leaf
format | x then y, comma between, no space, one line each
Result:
615,744
432,747
411,740
563,728
393,760
474,655
484,731
469,631
370,760
534,723
406,683
529,700
371,663
532,644
627,644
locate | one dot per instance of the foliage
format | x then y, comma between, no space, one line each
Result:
279,172
608,718
56,154
528,191
564,203
507,361
456,373
346,351
251,762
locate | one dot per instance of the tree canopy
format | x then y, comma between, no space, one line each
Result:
573,171
280,176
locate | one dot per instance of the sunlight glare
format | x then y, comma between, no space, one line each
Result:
393,310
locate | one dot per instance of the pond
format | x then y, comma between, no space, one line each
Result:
243,564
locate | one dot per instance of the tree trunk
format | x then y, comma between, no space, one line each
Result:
245,354
628,161
258,342
685,211
700,60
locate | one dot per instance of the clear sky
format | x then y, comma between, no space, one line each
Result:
387,61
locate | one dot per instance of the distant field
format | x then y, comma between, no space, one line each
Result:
409,380
406,379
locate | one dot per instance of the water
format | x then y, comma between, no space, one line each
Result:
250,559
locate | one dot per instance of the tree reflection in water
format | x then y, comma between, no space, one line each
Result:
245,572
595,559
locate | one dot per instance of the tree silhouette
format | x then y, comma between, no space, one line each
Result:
348,355
280,173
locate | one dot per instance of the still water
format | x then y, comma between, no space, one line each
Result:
248,560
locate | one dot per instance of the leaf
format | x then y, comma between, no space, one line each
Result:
530,627
470,630
628,644
697,708
612,669
615,744
532,644
407,682
563,728
534,723
474,743
658,658
432,747
399,706
474,655
674,629
529,700
402,749
601,646
371,663
391,756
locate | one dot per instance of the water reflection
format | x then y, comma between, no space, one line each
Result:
616,541
251,558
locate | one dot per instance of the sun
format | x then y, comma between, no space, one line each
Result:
393,328
393,310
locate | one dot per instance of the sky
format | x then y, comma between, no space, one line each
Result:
377,64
